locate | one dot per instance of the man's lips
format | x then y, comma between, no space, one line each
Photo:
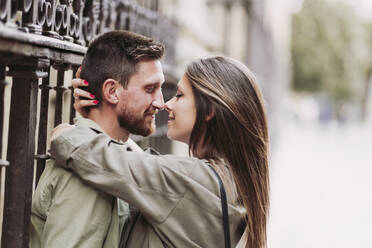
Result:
152,113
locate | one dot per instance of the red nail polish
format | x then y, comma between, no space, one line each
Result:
95,102
80,68
92,96
86,82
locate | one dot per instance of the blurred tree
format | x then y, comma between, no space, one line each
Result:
368,73
328,52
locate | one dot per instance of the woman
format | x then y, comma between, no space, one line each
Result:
218,111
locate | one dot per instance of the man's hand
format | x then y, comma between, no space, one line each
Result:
60,129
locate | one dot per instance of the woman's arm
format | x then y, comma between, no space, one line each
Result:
154,184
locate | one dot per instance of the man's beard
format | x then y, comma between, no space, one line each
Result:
136,123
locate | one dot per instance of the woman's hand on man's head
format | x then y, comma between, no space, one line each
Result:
83,98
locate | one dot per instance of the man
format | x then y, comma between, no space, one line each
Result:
124,74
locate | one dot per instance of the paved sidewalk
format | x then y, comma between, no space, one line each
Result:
322,188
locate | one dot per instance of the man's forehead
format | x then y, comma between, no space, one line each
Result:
147,78
153,78
149,65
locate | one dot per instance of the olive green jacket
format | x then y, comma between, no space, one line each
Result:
177,197
66,212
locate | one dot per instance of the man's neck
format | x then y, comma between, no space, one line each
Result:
108,121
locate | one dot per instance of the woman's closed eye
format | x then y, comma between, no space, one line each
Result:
178,95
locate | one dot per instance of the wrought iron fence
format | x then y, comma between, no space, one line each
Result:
37,37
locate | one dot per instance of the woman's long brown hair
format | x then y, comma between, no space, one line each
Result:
231,125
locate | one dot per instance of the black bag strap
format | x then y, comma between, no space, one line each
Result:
225,210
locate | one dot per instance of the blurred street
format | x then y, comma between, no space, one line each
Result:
321,187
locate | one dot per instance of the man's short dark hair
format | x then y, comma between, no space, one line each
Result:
115,55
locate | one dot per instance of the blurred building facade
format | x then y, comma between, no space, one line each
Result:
256,32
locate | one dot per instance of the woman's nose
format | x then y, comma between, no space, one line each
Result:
168,105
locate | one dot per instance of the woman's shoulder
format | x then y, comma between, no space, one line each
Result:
189,165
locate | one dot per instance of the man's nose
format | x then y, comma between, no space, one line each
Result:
158,102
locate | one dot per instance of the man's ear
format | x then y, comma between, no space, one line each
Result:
110,91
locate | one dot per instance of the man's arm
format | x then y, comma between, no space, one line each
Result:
77,215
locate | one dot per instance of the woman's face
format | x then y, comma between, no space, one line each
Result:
182,112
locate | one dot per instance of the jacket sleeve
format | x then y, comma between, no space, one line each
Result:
153,184
77,215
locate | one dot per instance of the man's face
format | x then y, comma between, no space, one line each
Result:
142,98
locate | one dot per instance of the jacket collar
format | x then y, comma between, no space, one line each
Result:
85,122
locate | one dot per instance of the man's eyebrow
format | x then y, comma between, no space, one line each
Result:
152,84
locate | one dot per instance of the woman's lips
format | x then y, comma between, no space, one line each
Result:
170,119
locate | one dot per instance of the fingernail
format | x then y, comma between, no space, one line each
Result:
95,102
86,82
92,96
80,68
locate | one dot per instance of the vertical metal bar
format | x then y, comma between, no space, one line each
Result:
59,96
2,88
21,149
43,128
72,109
18,181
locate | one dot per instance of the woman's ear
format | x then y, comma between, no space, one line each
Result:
110,91
210,114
